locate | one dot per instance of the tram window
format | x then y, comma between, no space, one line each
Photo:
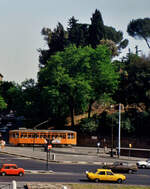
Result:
45,136
29,135
49,136
53,136
63,136
70,135
41,136
36,135
15,135
23,135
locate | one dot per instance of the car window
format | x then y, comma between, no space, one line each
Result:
13,167
109,173
101,173
6,167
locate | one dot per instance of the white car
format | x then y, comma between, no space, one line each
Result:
144,164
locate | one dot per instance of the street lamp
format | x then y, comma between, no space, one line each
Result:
34,136
111,153
119,130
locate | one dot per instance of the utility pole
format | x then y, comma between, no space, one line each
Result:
119,130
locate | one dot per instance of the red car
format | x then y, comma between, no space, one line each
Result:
11,169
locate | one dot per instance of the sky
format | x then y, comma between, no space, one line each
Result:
21,22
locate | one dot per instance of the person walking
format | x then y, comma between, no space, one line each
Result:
2,144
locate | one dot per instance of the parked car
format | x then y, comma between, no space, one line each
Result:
11,169
123,167
105,175
144,164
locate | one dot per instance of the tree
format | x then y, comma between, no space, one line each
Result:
134,81
76,77
5,86
96,29
111,45
56,41
140,28
80,35
3,105
77,33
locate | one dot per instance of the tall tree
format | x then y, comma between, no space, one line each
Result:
140,28
77,77
96,29
56,41
134,83
77,33
80,35
116,37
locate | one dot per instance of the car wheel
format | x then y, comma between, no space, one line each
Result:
3,173
130,171
119,181
96,180
143,166
20,174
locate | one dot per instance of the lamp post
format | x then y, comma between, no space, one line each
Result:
34,136
112,131
119,130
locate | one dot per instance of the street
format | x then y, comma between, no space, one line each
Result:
62,172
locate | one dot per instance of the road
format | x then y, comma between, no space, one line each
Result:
62,172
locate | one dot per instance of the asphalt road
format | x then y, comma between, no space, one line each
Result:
63,172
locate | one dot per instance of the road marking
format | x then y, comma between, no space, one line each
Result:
14,158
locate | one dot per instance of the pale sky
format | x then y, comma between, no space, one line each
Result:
21,22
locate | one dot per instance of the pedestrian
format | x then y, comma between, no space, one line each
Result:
98,146
3,144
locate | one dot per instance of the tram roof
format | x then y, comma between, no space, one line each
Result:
43,131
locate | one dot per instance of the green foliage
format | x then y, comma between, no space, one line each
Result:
88,126
111,45
76,77
134,81
96,29
77,33
56,41
80,35
3,105
116,37
140,28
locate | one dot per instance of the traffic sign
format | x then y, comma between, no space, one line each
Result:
49,146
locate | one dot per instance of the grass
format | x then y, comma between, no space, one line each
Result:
104,186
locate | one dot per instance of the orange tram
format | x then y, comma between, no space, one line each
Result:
29,137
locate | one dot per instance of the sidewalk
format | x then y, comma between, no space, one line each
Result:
78,155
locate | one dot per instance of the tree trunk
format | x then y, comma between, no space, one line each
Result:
90,109
71,107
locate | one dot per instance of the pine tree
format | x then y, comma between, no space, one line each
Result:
96,29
